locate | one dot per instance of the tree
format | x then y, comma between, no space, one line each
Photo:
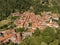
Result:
20,29
55,42
58,34
37,32
48,35
43,43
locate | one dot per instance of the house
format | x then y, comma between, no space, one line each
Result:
55,16
26,34
46,17
6,35
42,25
19,23
36,20
53,24
31,30
19,37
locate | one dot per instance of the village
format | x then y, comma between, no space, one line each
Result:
31,21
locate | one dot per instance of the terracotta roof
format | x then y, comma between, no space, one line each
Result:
36,20
53,24
55,16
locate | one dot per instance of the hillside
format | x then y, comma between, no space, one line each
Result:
29,22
